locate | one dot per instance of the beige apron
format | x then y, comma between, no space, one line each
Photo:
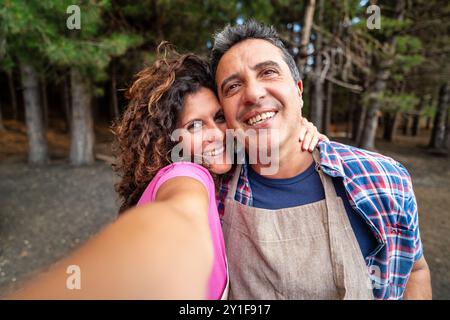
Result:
304,252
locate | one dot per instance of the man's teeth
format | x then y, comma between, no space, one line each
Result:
260,118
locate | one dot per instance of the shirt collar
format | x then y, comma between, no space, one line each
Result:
330,161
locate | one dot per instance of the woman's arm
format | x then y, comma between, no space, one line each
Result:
160,250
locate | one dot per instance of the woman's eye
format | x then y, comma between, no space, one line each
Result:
197,124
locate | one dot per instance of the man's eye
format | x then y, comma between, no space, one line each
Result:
220,118
232,87
269,72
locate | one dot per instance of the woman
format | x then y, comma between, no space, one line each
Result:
170,245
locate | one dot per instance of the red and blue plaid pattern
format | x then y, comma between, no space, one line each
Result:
380,189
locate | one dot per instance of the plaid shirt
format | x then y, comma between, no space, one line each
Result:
380,189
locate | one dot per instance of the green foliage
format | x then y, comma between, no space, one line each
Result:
408,54
402,102
261,10
429,109
91,56
36,32
392,101
128,32
407,44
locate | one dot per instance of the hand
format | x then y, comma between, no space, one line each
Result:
310,136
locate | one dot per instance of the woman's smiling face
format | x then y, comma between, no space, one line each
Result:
204,123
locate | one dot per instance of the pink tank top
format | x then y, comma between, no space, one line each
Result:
218,277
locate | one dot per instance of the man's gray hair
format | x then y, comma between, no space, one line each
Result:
231,35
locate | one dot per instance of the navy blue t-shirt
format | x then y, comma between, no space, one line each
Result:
303,189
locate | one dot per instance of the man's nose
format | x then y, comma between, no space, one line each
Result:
254,91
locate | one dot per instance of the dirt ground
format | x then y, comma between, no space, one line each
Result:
46,211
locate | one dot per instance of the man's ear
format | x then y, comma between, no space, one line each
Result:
300,92
300,88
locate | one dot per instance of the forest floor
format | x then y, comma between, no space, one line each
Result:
47,211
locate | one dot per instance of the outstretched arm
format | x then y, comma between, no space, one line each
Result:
160,250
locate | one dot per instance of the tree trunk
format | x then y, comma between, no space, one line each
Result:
66,102
440,122
359,120
415,125
306,34
44,102
114,102
390,126
37,142
382,75
12,94
428,123
405,124
447,130
82,128
357,110
350,121
416,118
317,96
328,106
2,127
373,111
317,105
429,118
360,127
394,127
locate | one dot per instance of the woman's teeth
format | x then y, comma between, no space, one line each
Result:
214,152
260,118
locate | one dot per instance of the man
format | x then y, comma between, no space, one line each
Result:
339,224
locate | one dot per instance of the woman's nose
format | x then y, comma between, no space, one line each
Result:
213,133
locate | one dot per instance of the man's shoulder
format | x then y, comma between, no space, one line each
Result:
348,152
348,159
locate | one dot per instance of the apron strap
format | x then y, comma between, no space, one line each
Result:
234,182
330,191
331,200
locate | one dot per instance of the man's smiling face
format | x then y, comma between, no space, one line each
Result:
257,90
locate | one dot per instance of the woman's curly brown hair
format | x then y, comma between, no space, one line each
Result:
143,134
